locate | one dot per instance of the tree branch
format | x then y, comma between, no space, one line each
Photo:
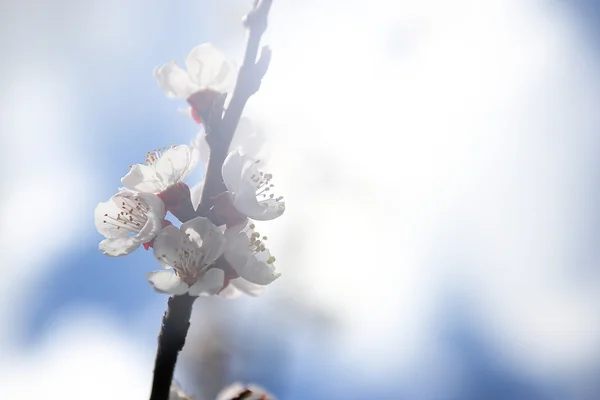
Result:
220,131
171,339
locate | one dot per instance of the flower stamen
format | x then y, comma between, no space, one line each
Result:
132,217
153,156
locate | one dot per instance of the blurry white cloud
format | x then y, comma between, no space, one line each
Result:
83,356
45,180
465,144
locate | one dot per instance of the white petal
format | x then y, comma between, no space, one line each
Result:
233,231
246,287
155,203
245,201
174,81
210,284
257,272
237,251
232,171
166,281
248,139
195,148
155,214
249,170
209,68
203,149
121,246
272,209
173,164
206,235
196,194
142,178
100,216
166,245
230,292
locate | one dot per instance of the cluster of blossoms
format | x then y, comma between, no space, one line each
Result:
199,257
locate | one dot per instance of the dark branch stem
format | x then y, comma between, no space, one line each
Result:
220,131
175,324
220,134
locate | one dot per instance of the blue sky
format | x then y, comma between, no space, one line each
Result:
439,163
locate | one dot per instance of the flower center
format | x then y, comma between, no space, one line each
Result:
257,243
264,188
191,263
132,216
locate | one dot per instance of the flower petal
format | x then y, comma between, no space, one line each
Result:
115,247
155,214
101,212
232,171
258,272
248,139
249,288
166,246
245,201
196,194
142,178
208,67
206,235
173,164
272,209
174,81
195,148
230,292
210,284
237,251
166,281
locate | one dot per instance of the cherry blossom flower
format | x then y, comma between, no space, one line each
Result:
246,253
164,169
252,392
189,254
250,191
209,74
239,286
128,220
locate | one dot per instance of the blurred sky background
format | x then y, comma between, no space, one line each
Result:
441,164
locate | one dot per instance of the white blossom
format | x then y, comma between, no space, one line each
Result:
127,220
240,286
234,390
164,168
250,190
246,253
209,73
189,254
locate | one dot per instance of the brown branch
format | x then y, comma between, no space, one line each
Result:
171,339
220,131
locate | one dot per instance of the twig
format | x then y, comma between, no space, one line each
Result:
171,339
220,132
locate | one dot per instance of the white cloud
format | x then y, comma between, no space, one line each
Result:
45,179
83,356
460,148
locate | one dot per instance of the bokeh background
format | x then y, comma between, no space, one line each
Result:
441,164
